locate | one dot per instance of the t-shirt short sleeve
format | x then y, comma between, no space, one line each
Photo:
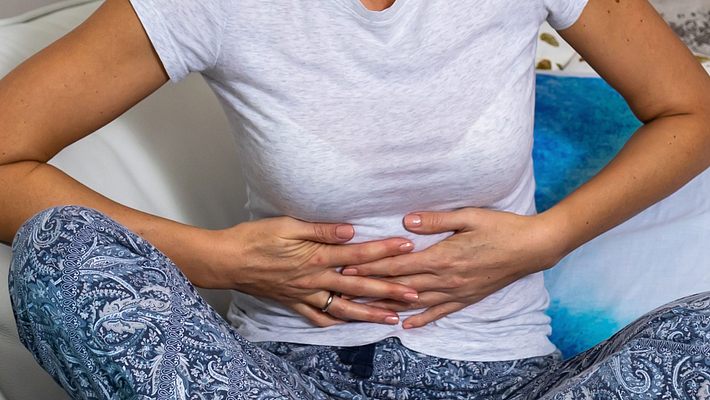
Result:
563,13
186,34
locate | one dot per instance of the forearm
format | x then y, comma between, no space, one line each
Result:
29,187
657,160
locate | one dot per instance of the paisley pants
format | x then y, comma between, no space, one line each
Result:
110,317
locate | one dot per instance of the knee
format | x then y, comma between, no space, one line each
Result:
58,255
42,240
38,252
51,247
60,232
685,321
44,229
40,247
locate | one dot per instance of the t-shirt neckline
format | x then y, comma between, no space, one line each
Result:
385,15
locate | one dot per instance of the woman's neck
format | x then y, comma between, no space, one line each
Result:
377,5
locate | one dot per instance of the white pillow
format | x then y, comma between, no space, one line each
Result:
15,11
656,257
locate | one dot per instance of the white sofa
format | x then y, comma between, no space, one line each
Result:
172,155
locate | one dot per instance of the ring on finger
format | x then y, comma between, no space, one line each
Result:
329,301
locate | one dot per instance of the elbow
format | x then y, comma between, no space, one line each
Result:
14,171
695,111
9,157
19,169
688,101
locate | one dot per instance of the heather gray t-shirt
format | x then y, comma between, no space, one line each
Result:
343,114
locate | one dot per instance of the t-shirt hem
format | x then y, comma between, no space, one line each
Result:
535,345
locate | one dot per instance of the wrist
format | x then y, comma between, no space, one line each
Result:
553,227
192,249
213,259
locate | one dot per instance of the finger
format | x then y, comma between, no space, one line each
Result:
430,222
369,287
366,252
316,316
396,306
405,264
425,282
351,311
426,300
432,314
317,232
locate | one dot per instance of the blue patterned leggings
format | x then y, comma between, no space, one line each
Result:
110,317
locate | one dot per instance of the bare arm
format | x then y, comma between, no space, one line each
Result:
72,88
93,75
629,44
75,86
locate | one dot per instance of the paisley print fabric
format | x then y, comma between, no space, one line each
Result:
665,354
401,373
110,317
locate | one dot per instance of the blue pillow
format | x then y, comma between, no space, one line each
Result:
580,125
659,255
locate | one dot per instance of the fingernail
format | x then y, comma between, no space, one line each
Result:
392,320
406,246
411,297
407,325
344,231
413,220
349,271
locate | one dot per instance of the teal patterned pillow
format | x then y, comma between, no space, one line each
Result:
581,124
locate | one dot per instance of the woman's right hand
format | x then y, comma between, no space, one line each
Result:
91,76
295,263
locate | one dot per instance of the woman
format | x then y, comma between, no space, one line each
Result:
394,250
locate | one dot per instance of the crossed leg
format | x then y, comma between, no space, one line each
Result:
109,316
665,354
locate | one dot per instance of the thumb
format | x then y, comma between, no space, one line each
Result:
430,222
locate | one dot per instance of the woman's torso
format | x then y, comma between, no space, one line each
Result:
347,115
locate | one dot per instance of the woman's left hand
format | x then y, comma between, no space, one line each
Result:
487,251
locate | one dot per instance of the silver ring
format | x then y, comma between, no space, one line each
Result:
329,301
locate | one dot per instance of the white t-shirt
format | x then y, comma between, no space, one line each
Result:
343,114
